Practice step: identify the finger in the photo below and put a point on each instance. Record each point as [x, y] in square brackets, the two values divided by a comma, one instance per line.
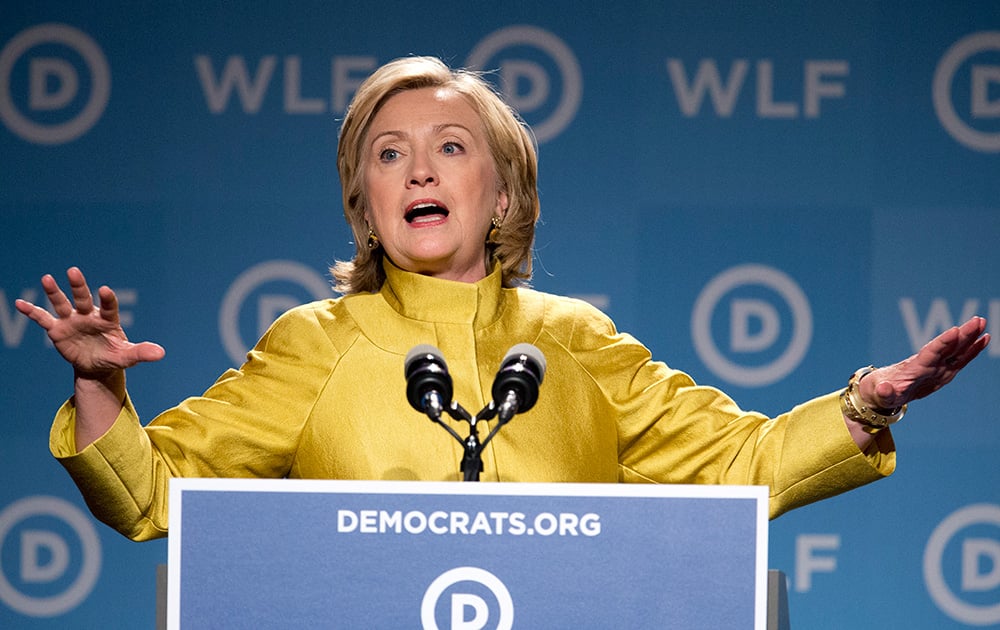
[109, 304]
[970, 331]
[133, 354]
[147, 351]
[963, 354]
[942, 345]
[885, 393]
[968, 342]
[82, 297]
[968, 353]
[56, 297]
[976, 323]
[36, 314]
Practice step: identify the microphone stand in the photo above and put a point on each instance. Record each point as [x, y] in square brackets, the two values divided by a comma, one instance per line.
[428, 386]
[472, 458]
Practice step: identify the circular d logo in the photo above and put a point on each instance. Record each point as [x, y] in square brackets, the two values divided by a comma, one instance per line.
[467, 609]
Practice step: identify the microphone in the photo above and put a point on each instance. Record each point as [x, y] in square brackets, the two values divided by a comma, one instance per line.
[428, 384]
[516, 384]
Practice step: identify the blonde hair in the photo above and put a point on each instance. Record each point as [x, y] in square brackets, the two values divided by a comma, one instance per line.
[511, 145]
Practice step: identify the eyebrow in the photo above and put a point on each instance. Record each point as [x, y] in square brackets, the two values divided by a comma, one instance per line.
[436, 130]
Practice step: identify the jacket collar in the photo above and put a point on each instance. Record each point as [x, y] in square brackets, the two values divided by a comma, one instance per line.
[429, 299]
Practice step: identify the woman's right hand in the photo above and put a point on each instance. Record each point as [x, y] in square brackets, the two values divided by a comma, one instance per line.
[88, 336]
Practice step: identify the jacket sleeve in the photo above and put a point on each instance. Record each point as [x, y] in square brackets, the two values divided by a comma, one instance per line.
[671, 430]
[246, 425]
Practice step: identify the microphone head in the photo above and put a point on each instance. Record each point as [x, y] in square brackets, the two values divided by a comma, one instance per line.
[528, 355]
[521, 371]
[425, 372]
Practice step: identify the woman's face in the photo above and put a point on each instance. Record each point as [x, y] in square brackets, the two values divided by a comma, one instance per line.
[430, 184]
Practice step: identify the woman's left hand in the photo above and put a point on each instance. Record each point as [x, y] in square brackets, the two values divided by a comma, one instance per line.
[928, 370]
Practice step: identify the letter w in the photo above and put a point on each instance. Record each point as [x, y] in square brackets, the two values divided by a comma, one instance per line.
[938, 320]
[12, 324]
[235, 73]
[707, 78]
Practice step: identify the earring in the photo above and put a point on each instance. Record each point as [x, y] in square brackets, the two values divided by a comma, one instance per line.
[373, 242]
[494, 235]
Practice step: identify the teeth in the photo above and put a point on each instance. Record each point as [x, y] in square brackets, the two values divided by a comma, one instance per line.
[420, 211]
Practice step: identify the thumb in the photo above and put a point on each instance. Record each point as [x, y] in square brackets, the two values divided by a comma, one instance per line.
[147, 351]
[885, 394]
[878, 391]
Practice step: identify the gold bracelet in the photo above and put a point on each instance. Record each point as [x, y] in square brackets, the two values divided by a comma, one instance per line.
[854, 408]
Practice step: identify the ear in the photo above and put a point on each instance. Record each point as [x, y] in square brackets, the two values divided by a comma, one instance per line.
[502, 203]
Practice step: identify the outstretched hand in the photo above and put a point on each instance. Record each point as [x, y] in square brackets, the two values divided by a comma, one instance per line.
[88, 336]
[927, 371]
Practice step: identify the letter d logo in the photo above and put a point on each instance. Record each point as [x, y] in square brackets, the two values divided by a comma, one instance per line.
[973, 597]
[464, 603]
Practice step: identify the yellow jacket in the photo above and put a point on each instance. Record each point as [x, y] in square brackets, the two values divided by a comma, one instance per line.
[323, 396]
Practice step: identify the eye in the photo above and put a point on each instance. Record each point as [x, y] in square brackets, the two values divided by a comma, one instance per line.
[451, 148]
[388, 155]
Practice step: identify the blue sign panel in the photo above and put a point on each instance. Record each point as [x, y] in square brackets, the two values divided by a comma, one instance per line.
[250, 553]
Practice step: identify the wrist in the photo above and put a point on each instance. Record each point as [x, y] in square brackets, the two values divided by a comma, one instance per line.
[857, 409]
[108, 383]
[98, 402]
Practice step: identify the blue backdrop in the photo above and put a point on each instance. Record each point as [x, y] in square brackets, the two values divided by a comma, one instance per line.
[769, 195]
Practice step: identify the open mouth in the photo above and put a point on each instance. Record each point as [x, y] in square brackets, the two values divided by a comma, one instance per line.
[425, 212]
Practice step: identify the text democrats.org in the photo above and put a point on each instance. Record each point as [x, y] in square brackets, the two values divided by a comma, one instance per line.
[467, 523]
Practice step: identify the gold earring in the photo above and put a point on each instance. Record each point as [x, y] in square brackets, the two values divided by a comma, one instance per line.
[373, 242]
[494, 235]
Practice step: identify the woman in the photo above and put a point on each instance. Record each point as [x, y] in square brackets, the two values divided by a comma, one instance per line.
[439, 188]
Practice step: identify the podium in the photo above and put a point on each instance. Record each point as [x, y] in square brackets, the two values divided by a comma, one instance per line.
[344, 554]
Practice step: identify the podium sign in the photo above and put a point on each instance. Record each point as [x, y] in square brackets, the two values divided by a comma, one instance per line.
[465, 556]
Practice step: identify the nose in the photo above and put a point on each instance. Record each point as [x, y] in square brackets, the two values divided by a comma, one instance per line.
[422, 171]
